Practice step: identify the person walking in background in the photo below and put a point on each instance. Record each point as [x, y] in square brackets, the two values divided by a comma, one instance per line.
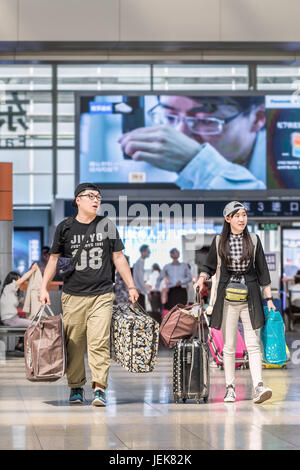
[45, 255]
[243, 262]
[139, 275]
[121, 292]
[178, 277]
[87, 297]
[9, 301]
[154, 295]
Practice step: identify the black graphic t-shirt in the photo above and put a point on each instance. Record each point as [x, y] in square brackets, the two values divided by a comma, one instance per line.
[94, 271]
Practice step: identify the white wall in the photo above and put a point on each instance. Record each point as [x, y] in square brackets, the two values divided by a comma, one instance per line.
[149, 20]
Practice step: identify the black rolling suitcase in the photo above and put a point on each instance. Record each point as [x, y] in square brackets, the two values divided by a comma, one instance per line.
[191, 367]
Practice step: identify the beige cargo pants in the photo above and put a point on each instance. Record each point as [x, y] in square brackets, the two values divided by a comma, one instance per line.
[87, 323]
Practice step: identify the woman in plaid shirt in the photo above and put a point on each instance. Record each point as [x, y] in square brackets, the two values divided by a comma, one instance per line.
[239, 260]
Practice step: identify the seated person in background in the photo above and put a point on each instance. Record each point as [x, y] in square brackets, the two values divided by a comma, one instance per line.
[9, 300]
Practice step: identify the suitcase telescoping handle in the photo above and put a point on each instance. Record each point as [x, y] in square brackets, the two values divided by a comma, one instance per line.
[198, 300]
[200, 326]
[198, 295]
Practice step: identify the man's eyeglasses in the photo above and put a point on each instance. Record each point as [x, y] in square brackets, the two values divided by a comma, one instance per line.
[91, 196]
[206, 126]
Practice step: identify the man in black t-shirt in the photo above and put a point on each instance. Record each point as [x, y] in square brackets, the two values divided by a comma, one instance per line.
[87, 297]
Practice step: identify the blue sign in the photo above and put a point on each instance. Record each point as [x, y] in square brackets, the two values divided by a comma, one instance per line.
[100, 108]
[271, 261]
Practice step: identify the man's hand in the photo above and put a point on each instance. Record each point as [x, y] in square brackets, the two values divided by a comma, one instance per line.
[49, 274]
[44, 297]
[133, 295]
[161, 146]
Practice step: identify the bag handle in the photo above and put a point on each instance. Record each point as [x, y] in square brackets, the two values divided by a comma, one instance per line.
[269, 313]
[129, 307]
[141, 308]
[40, 312]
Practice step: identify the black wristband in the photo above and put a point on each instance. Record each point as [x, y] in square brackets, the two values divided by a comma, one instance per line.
[269, 298]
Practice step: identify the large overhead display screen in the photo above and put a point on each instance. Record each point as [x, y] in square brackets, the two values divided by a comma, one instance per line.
[283, 141]
[189, 141]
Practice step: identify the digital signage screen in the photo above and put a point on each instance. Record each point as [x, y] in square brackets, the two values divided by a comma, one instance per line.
[283, 141]
[27, 247]
[290, 251]
[187, 142]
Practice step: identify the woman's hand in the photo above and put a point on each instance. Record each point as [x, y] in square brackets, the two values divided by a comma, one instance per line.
[199, 284]
[209, 310]
[271, 305]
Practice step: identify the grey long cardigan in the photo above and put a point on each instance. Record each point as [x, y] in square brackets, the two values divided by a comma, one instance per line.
[256, 275]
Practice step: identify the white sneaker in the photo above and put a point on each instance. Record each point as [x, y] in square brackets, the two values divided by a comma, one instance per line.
[230, 394]
[261, 393]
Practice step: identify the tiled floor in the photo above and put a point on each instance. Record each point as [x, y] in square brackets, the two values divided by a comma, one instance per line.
[141, 413]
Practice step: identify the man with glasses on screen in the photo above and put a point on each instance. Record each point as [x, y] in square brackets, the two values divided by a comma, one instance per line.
[210, 142]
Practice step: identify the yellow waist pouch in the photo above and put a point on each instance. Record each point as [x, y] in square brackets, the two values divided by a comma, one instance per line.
[236, 292]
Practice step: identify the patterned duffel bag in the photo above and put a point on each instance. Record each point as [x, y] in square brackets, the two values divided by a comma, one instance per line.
[134, 338]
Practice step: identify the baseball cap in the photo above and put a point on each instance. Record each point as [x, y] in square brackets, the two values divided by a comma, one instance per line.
[82, 187]
[233, 206]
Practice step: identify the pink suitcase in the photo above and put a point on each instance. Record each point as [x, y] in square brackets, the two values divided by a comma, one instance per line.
[215, 343]
[164, 313]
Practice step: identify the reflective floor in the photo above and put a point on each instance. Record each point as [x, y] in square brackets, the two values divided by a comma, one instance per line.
[141, 413]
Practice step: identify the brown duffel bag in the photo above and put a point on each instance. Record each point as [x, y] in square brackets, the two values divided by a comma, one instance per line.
[179, 323]
[44, 348]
